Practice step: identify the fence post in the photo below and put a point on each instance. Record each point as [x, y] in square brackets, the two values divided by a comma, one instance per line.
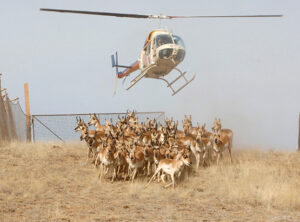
[27, 110]
[299, 134]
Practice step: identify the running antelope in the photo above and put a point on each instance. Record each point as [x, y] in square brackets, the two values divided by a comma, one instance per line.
[171, 167]
[149, 158]
[217, 127]
[106, 157]
[221, 142]
[189, 141]
[204, 132]
[135, 159]
[120, 164]
[204, 146]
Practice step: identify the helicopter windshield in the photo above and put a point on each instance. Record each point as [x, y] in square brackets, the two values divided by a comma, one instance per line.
[178, 41]
[163, 39]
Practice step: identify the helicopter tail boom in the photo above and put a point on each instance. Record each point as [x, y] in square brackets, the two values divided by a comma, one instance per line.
[129, 69]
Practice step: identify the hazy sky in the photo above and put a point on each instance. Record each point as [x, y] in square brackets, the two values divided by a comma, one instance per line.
[247, 70]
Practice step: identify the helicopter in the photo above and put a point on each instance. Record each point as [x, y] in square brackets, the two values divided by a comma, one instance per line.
[162, 52]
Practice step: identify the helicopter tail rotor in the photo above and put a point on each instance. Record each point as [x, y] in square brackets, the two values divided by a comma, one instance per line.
[124, 73]
[114, 63]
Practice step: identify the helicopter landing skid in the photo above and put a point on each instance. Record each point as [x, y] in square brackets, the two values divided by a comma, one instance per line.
[136, 79]
[175, 80]
[139, 77]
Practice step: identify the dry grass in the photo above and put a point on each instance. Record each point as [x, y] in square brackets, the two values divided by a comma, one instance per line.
[39, 182]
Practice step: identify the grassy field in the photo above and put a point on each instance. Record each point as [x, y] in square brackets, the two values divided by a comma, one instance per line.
[43, 182]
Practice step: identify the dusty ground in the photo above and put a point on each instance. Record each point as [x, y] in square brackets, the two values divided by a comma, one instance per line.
[42, 183]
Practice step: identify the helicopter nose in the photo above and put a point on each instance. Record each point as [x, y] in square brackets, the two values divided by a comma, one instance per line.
[179, 56]
[165, 53]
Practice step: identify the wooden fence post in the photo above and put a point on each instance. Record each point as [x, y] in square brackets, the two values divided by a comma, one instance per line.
[27, 110]
[299, 135]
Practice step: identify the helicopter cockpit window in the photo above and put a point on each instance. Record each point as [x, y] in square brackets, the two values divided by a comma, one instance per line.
[163, 39]
[178, 41]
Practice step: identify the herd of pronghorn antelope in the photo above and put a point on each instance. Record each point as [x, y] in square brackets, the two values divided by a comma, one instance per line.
[130, 147]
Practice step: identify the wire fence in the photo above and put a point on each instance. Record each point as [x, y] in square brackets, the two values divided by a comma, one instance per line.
[12, 121]
[60, 127]
[15, 125]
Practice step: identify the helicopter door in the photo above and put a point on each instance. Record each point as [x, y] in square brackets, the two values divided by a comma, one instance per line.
[147, 57]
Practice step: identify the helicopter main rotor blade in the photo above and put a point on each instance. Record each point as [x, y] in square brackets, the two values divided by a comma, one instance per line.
[225, 16]
[96, 13]
[154, 16]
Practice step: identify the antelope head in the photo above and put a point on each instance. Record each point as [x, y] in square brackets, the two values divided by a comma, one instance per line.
[93, 119]
[217, 138]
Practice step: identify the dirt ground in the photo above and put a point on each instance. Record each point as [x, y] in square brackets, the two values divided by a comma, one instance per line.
[42, 182]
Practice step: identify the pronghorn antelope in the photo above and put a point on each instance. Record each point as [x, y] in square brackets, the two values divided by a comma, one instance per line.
[120, 164]
[220, 143]
[171, 167]
[135, 159]
[187, 120]
[129, 147]
[188, 127]
[96, 122]
[91, 141]
[204, 146]
[204, 132]
[106, 157]
[80, 122]
[190, 142]
[157, 156]
[149, 158]
[217, 127]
